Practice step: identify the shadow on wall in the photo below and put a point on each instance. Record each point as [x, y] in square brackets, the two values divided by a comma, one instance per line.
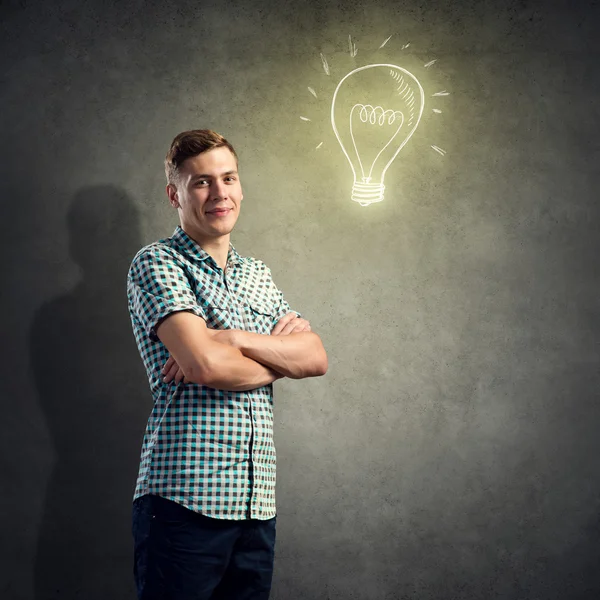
[93, 392]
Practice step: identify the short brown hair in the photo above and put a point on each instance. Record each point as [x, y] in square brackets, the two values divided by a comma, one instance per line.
[191, 143]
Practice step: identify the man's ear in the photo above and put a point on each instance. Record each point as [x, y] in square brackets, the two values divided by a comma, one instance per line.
[173, 195]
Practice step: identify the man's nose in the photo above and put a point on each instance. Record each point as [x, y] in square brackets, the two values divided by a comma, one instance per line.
[219, 189]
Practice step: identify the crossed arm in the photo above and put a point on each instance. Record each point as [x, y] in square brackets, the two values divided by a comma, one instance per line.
[238, 360]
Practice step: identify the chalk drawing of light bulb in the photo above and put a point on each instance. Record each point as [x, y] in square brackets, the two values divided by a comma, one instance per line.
[375, 110]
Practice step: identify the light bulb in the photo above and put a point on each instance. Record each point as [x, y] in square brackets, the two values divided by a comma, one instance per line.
[374, 112]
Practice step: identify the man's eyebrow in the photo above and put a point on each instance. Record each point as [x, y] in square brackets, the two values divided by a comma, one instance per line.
[207, 176]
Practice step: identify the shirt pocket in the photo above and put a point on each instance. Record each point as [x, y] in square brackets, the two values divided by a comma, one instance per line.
[217, 309]
[258, 317]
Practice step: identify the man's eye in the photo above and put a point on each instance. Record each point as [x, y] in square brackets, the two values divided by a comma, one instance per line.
[202, 182]
[230, 178]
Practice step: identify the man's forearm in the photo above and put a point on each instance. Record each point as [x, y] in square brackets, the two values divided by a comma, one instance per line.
[249, 375]
[230, 370]
[297, 355]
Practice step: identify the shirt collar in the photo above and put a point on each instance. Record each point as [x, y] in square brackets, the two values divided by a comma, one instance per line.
[192, 248]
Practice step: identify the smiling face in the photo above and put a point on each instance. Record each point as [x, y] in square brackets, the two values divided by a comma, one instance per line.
[207, 194]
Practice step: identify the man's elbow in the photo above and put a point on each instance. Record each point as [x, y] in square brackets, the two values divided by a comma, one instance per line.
[319, 362]
[317, 368]
[322, 364]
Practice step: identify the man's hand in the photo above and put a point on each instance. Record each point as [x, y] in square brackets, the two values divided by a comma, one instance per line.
[290, 323]
[171, 371]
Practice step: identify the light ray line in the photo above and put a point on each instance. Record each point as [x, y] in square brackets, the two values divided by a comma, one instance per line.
[312, 91]
[305, 118]
[431, 62]
[352, 46]
[439, 150]
[386, 41]
[436, 110]
[319, 146]
[444, 93]
[406, 46]
[325, 63]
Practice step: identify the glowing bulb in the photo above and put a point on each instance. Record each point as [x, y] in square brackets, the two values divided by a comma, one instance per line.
[374, 112]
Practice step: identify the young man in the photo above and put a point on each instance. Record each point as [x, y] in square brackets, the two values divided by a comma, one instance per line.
[214, 334]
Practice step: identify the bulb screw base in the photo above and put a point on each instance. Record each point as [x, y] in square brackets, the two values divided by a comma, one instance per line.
[367, 193]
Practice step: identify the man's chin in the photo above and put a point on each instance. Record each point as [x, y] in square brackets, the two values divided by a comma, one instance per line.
[222, 230]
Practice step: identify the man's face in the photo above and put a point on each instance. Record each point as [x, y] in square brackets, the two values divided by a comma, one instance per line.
[208, 194]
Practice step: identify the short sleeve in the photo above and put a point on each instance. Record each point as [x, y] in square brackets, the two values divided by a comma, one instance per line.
[158, 285]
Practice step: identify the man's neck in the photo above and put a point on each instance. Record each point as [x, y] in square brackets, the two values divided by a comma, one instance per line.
[218, 247]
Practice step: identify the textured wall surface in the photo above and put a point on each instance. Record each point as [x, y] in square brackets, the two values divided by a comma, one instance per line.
[452, 449]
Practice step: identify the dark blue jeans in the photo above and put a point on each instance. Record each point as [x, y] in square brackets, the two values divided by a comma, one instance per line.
[183, 555]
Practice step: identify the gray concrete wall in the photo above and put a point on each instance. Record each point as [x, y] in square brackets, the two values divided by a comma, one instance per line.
[451, 450]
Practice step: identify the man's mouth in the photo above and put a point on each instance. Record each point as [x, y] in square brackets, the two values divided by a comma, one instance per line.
[219, 211]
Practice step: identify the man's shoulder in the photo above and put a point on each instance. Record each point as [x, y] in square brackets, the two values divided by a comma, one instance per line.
[250, 262]
[163, 249]
[254, 265]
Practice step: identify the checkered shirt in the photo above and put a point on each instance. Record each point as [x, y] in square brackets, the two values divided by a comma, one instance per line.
[209, 450]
